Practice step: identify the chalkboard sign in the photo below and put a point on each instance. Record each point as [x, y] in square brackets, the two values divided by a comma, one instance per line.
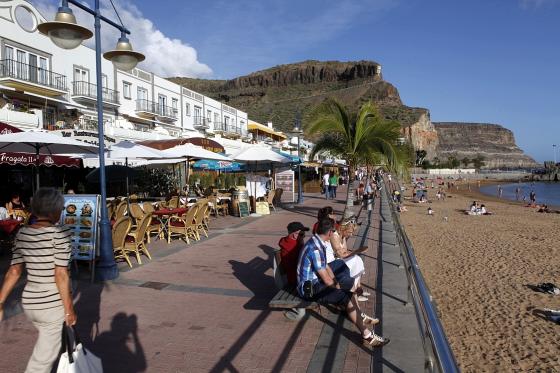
[243, 209]
[262, 208]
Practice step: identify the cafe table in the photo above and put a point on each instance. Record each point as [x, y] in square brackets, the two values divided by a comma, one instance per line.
[163, 215]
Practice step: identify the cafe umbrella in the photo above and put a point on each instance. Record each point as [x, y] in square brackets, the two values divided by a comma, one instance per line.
[257, 154]
[43, 143]
[190, 152]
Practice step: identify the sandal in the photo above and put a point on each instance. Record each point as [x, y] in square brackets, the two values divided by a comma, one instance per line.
[374, 340]
[368, 320]
[362, 298]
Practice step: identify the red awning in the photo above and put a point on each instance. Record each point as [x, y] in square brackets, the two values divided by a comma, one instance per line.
[27, 159]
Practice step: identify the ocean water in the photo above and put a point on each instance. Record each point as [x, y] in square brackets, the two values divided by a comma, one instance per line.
[546, 192]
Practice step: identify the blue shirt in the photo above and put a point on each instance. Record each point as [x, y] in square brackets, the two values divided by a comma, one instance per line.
[311, 259]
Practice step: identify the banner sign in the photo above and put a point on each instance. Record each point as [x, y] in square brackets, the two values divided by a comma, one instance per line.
[285, 181]
[28, 159]
[91, 137]
[81, 214]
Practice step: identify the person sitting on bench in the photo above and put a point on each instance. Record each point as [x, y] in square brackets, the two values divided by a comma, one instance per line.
[290, 246]
[316, 282]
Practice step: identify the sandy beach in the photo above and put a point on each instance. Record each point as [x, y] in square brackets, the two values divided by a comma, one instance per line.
[477, 268]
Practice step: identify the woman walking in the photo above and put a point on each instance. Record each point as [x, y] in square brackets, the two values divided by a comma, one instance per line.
[44, 249]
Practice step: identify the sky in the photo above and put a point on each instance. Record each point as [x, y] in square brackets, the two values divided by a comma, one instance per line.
[488, 61]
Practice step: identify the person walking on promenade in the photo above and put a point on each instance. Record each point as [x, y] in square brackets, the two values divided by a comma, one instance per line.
[500, 191]
[517, 193]
[326, 184]
[333, 183]
[44, 249]
[316, 282]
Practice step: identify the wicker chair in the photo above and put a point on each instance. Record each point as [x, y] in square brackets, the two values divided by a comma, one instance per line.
[135, 240]
[184, 225]
[147, 207]
[136, 212]
[120, 230]
[200, 224]
[213, 206]
[121, 209]
[173, 202]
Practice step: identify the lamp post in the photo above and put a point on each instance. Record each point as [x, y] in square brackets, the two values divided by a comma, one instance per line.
[554, 151]
[67, 34]
[298, 131]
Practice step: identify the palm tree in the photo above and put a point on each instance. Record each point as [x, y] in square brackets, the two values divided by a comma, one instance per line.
[357, 138]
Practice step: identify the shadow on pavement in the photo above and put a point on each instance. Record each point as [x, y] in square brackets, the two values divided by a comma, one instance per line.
[113, 346]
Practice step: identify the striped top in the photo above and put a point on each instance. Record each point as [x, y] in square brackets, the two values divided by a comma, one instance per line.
[41, 249]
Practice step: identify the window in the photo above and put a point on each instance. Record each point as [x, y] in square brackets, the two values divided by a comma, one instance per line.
[142, 94]
[104, 82]
[226, 120]
[197, 113]
[188, 109]
[126, 88]
[81, 75]
[174, 104]
[216, 117]
[209, 115]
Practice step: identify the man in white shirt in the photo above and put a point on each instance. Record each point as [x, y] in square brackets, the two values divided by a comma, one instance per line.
[326, 178]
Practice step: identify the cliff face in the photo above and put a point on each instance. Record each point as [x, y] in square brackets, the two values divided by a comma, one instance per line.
[494, 142]
[278, 93]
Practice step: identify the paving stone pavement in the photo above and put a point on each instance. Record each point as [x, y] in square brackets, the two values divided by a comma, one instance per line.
[203, 307]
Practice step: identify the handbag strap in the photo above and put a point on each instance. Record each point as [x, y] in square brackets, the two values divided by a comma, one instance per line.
[67, 344]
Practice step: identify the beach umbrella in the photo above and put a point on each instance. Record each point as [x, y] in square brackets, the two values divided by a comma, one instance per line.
[190, 151]
[258, 154]
[43, 143]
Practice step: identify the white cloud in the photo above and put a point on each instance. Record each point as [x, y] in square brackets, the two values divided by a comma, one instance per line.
[526, 4]
[164, 56]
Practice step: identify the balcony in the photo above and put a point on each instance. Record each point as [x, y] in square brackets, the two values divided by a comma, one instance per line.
[84, 91]
[84, 124]
[24, 77]
[151, 109]
[201, 123]
[227, 130]
[166, 113]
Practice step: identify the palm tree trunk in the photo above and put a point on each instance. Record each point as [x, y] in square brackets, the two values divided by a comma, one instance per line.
[349, 208]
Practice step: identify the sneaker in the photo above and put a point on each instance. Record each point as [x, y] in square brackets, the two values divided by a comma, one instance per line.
[366, 294]
[362, 298]
[374, 340]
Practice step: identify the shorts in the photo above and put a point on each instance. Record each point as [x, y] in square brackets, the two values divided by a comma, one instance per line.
[342, 274]
[328, 295]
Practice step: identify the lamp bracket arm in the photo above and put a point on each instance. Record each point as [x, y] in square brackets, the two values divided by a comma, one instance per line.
[92, 12]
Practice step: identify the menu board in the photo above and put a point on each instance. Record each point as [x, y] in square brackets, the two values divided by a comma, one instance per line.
[262, 208]
[243, 209]
[285, 180]
[80, 213]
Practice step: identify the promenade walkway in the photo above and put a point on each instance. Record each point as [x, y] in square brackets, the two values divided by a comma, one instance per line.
[203, 308]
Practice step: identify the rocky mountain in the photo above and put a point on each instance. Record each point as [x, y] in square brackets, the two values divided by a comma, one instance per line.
[278, 93]
[494, 142]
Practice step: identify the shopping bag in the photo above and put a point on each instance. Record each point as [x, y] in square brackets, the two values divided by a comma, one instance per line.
[75, 358]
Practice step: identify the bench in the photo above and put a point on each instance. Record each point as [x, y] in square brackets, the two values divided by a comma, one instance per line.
[288, 298]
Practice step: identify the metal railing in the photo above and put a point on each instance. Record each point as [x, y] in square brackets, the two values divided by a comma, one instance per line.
[156, 109]
[201, 122]
[437, 351]
[32, 74]
[78, 124]
[81, 88]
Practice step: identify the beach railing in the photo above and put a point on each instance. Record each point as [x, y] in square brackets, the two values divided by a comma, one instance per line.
[437, 351]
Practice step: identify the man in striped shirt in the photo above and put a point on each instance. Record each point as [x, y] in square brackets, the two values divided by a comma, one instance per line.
[317, 282]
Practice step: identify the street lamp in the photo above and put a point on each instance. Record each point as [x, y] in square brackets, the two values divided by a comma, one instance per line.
[554, 151]
[67, 34]
[298, 131]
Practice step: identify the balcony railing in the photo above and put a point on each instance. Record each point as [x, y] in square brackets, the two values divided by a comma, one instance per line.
[201, 123]
[49, 123]
[32, 74]
[89, 90]
[155, 108]
[227, 129]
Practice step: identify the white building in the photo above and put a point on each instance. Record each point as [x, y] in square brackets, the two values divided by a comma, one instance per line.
[45, 87]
